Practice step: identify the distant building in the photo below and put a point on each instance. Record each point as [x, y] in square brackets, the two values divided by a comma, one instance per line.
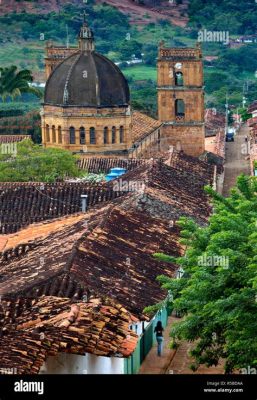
[87, 104]
[181, 97]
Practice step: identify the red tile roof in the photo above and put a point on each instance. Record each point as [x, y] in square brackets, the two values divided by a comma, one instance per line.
[143, 125]
[33, 329]
[13, 138]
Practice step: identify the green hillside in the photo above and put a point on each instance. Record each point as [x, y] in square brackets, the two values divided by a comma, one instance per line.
[23, 38]
[237, 17]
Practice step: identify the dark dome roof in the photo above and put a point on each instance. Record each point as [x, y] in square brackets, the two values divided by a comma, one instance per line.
[87, 79]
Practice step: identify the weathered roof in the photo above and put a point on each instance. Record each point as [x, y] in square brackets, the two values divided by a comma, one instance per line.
[96, 255]
[24, 203]
[13, 138]
[143, 125]
[87, 79]
[214, 121]
[97, 165]
[32, 329]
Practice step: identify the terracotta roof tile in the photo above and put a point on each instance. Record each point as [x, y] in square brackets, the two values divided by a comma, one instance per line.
[13, 138]
[44, 327]
[142, 125]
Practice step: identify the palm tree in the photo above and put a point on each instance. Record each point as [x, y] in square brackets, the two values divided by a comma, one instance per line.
[13, 83]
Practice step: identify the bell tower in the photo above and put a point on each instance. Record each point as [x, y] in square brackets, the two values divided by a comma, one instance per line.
[181, 98]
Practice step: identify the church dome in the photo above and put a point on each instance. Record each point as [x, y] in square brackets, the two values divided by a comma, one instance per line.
[87, 79]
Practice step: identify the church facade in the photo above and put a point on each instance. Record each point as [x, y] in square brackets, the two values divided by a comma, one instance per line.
[87, 104]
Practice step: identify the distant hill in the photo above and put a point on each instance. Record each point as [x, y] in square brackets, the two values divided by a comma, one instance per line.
[237, 17]
[33, 6]
[140, 12]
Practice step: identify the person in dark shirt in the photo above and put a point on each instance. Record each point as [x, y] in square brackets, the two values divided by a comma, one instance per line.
[159, 337]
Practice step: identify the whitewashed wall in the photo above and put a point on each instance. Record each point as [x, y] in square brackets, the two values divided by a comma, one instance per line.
[89, 364]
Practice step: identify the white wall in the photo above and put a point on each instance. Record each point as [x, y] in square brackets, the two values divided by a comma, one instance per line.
[89, 364]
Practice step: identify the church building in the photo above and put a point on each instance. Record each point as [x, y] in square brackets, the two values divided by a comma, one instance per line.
[87, 109]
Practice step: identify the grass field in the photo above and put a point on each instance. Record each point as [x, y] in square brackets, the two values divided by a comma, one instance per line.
[141, 72]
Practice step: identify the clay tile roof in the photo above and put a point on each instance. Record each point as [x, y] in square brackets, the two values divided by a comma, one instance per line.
[47, 270]
[98, 252]
[142, 125]
[13, 138]
[37, 328]
[37, 231]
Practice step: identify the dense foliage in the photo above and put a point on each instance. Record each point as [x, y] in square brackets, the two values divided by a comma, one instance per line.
[217, 294]
[230, 15]
[28, 162]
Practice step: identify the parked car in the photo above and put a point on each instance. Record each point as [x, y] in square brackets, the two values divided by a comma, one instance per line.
[230, 135]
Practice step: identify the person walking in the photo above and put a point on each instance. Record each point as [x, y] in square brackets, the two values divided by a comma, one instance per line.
[159, 337]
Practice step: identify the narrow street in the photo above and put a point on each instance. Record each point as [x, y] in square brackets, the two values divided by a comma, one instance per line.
[178, 362]
[236, 160]
[171, 361]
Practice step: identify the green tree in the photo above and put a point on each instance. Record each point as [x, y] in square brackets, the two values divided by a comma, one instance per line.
[217, 294]
[13, 83]
[29, 162]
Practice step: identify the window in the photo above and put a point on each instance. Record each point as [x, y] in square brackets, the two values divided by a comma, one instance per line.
[121, 134]
[92, 136]
[113, 134]
[47, 133]
[82, 135]
[179, 81]
[72, 135]
[59, 134]
[179, 108]
[53, 134]
[106, 131]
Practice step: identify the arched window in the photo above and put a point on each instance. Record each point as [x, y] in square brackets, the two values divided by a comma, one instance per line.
[82, 135]
[53, 134]
[179, 108]
[121, 134]
[179, 81]
[72, 135]
[92, 136]
[47, 133]
[59, 134]
[106, 132]
[113, 134]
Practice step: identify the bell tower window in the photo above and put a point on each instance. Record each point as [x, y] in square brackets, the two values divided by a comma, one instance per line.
[179, 81]
[179, 108]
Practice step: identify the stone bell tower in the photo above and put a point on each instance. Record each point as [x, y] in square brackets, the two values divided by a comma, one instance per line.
[181, 98]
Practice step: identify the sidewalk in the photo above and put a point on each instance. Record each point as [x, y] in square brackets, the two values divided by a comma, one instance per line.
[158, 365]
[174, 361]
